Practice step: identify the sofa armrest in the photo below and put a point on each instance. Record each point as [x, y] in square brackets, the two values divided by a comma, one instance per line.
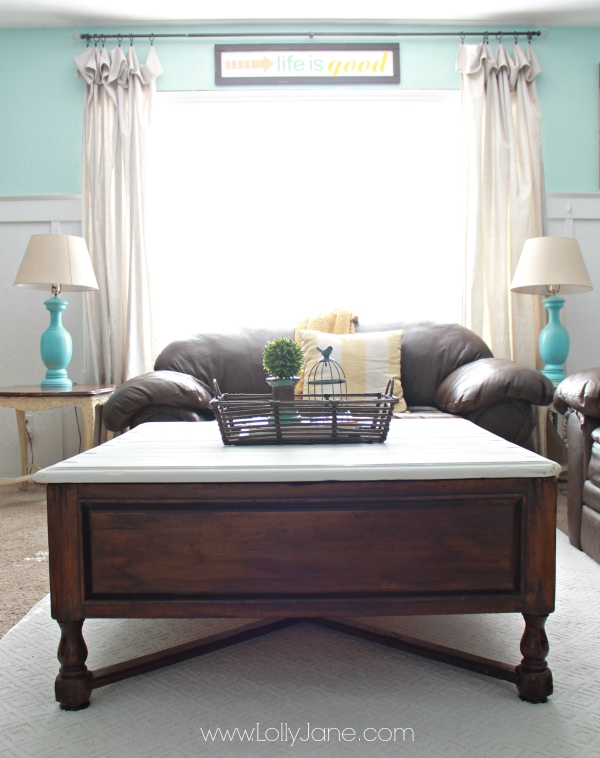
[491, 380]
[581, 392]
[156, 388]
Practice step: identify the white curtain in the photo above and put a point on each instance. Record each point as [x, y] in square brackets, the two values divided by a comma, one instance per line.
[505, 193]
[119, 93]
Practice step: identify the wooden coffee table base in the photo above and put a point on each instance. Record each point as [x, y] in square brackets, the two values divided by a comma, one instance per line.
[74, 683]
[286, 552]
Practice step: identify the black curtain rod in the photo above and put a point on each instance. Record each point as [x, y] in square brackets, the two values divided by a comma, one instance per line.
[179, 35]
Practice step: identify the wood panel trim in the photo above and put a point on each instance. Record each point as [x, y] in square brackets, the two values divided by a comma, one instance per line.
[36, 208]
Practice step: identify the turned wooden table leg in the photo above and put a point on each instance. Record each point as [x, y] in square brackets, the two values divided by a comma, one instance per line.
[534, 677]
[73, 683]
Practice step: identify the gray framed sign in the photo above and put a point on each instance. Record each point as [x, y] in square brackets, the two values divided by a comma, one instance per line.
[318, 63]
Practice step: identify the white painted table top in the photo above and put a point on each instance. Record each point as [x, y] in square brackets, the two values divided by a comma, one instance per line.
[444, 448]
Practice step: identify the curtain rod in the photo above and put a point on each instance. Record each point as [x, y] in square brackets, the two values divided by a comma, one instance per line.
[179, 35]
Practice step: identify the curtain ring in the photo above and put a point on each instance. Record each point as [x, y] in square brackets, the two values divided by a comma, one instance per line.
[131, 40]
[516, 36]
[462, 38]
[152, 39]
[103, 39]
[96, 40]
[499, 37]
[119, 39]
[486, 38]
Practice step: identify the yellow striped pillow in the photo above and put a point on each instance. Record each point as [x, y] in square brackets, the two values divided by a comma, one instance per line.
[369, 360]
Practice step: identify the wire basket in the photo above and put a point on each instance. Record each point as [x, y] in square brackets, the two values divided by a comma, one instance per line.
[260, 420]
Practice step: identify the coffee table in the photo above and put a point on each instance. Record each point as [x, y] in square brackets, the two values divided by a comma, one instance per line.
[166, 521]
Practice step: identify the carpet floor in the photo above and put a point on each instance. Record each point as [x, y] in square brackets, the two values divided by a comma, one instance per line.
[24, 552]
[316, 690]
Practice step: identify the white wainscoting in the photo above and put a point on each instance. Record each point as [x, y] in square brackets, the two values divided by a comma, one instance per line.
[55, 433]
[578, 216]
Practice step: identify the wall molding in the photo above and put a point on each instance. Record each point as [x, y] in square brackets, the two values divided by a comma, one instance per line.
[23, 208]
[571, 207]
[17, 208]
[31, 208]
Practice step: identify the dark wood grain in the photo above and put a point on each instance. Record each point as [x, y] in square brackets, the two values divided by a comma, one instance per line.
[299, 550]
[36, 390]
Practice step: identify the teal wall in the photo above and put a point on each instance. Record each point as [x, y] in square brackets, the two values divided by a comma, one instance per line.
[41, 101]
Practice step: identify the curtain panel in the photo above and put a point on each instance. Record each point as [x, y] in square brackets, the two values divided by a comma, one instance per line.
[505, 193]
[119, 94]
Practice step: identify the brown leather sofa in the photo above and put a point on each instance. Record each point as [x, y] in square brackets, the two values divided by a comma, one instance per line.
[445, 368]
[578, 398]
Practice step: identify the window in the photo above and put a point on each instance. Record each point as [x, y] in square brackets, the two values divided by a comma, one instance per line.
[269, 206]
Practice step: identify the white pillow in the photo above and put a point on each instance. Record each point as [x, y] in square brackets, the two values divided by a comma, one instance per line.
[369, 360]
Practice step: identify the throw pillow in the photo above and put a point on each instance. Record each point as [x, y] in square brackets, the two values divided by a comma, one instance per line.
[369, 360]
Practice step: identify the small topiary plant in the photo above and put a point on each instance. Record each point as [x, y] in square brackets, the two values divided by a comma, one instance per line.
[283, 358]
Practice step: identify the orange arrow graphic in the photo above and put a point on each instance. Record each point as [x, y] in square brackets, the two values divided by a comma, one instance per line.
[265, 64]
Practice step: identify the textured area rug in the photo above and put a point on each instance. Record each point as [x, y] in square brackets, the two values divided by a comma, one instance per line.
[310, 691]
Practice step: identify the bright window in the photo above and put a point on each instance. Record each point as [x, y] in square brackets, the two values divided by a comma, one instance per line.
[269, 206]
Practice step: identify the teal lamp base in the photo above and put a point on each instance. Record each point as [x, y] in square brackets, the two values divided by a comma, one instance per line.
[56, 347]
[554, 341]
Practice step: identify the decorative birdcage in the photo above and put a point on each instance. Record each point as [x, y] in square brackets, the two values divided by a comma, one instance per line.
[326, 379]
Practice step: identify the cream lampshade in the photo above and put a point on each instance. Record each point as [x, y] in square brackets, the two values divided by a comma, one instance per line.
[58, 262]
[547, 266]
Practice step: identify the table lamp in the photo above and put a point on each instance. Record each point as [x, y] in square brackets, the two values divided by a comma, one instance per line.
[59, 262]
[547, 266]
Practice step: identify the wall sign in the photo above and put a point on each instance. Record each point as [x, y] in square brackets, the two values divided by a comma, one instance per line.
[307, 64]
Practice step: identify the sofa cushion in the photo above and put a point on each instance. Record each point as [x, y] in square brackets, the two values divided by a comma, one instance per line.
[233, 358]
[369, 360]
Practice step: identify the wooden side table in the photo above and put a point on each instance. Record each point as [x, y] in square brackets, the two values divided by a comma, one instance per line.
[88, 397]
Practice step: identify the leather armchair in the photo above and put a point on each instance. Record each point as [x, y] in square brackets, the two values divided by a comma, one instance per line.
[445, 368]
[578, 398]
